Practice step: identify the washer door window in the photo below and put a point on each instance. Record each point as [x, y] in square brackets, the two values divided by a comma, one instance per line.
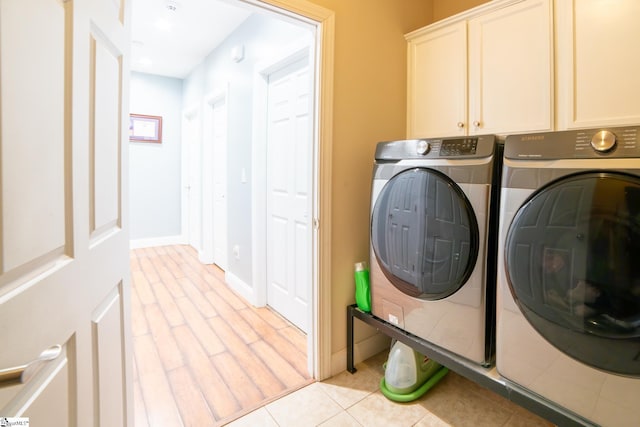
[424, 234]
[573, 265]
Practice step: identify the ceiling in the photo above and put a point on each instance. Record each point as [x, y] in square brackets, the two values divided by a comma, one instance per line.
[171, 37]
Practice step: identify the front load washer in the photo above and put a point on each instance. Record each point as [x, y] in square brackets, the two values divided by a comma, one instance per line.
[568, 303]
[432, 245]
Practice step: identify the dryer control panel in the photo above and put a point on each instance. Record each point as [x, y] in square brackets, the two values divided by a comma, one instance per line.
[440, 148]
[618, 142]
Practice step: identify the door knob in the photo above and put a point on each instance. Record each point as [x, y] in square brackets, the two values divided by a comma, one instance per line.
[22, 374]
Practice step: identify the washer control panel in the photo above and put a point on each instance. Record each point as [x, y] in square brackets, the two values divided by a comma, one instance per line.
[459, 147]
[618, 142]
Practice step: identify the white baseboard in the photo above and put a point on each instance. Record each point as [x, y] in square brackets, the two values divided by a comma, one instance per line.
[362, 350]
[157, 241]
[205, 258]
[240, 287]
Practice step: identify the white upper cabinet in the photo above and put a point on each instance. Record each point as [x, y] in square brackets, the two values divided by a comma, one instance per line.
[437, 82]
[511, 69]
[598, 63]
[489, 70]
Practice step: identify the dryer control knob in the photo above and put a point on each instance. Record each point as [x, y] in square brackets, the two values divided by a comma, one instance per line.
[423, 147]
[603, 141]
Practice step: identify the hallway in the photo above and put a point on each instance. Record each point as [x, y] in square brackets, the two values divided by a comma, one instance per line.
[202, 355]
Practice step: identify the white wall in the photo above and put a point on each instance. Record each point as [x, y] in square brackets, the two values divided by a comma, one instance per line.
[154, 169]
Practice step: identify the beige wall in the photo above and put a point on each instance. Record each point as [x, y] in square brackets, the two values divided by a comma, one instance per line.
[369, 106]
[445, 8]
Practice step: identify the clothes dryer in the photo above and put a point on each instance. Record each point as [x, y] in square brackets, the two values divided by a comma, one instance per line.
[432, 244]
[568, 303]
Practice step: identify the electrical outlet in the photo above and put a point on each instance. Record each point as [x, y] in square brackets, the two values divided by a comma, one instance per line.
[236, 252]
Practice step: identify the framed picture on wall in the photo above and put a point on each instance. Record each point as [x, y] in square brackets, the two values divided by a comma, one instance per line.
[144, 128]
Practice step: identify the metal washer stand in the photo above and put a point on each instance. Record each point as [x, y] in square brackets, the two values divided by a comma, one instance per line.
[486, 377]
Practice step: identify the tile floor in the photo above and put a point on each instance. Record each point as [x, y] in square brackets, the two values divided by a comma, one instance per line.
[355, 400]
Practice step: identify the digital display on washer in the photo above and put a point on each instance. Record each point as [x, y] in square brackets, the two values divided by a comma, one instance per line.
[459, 147]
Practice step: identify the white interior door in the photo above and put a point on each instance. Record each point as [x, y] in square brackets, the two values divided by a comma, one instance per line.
[289, 187]
[64, 259]
[219, 123]
[193, 178]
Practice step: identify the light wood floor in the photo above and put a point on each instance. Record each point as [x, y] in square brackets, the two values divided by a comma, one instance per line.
[202, 355]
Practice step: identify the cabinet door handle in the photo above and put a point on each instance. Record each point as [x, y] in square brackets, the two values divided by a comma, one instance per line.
[22, 374]
[476, 123]
[460, 125]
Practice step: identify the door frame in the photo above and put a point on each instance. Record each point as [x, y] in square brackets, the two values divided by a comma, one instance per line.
[260, 170]
[262, 72]
[191, 114]
[260, 166]
[319, 347]
[206, 254]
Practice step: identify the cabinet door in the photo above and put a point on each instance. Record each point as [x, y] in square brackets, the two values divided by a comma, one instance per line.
[437, 83]
[598, 63]
[511, 69]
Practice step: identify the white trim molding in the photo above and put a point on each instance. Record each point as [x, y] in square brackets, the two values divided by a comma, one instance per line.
[242, 288]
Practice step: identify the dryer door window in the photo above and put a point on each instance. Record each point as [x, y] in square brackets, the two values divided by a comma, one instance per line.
[424, 234]
[573, 266]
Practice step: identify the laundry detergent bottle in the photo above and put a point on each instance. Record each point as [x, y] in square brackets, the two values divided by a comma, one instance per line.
[363, 291]
[409, 374]
[403, 367]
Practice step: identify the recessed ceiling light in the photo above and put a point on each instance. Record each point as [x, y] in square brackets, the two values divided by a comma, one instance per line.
[172, 5]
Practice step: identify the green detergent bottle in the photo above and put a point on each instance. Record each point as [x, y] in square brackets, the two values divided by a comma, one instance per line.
[363, 293]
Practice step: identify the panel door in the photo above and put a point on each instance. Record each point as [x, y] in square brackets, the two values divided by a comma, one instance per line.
[289, 133]
[437, 83]
[511, 69]
[219, 123]
[64, 259]
[193, 177]
[598, 72]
